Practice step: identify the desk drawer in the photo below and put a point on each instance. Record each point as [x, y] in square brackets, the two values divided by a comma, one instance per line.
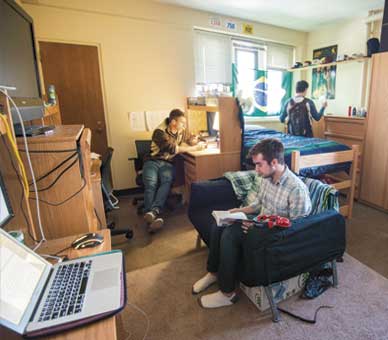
[190, 170]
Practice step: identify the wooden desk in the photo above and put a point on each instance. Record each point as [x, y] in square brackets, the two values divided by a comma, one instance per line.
[213, 162]
[207, 164]
[104, 329]
[95, 176]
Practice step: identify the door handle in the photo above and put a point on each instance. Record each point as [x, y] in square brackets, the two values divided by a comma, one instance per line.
[100, 126]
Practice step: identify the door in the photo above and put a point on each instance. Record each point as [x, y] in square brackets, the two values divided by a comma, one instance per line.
[75, 72]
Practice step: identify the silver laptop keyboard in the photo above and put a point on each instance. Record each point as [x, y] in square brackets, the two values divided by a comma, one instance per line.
[67, 292]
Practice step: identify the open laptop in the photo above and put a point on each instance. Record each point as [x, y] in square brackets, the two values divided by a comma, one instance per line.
[38, 298]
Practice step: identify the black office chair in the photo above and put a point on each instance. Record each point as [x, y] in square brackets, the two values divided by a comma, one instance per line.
[143, 148]
[111, 201]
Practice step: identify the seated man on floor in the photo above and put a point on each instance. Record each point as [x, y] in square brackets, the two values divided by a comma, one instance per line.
[168, 139]
[282, 193]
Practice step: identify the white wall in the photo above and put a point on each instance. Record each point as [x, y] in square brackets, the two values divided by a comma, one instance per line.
[147, 57]
[351, 37]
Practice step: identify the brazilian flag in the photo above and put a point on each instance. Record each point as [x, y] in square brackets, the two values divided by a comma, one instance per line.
[254, 94]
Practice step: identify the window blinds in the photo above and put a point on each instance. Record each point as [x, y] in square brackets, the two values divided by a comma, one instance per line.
[213, 56]
[279, 56]
[213, 62]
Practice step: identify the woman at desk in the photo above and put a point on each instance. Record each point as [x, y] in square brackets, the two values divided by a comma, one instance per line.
[168, 139]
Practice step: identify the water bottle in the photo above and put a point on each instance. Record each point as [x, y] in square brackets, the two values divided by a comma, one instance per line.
[51, 96]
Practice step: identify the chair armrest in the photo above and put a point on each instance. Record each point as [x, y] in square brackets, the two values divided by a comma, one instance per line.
[205, 197]
[212, 193]
[310, 242]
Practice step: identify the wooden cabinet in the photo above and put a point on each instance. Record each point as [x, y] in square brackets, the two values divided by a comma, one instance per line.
[349, 131]
[374, 181]
[62, 166]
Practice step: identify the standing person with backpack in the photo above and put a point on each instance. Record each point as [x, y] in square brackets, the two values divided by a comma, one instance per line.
[298, 112]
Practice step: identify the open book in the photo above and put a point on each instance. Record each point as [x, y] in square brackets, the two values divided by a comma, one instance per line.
[224, 217]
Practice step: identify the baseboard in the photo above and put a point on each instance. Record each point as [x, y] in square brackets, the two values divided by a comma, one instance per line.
[128, 192]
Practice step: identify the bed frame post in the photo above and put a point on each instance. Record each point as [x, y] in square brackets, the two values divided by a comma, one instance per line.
[295, 161]
[353, 177]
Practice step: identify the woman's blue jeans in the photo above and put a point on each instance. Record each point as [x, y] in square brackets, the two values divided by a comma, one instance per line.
[158, 176]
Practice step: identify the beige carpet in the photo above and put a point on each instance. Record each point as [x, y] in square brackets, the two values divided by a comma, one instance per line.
[163, 291]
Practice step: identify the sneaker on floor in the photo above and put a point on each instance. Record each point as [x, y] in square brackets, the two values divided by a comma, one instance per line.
[156, 225]
[150, 217]
[204, 283]
[217, 299]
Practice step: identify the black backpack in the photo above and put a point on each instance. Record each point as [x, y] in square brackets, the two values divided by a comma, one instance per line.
[299, 121]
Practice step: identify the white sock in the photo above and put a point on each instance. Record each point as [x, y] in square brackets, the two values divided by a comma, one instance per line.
[204, 283]
[217, 299]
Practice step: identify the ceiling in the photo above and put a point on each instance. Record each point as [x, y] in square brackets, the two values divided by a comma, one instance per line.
[303, 15]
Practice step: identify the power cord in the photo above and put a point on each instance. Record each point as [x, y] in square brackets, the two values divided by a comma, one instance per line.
[57, 204]
[58, 177]
[23, 191]
[58, 258]
[146, 317]
[55, 168]
[30, 166]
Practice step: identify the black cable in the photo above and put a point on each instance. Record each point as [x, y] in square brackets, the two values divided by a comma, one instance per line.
[55, 168]
[60, 251]
[21, 183]
[48, 151]
[64, 201]
[58, 177]
[302, 318]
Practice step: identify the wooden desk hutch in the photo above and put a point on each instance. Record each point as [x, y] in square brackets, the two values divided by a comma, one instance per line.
[213, 162]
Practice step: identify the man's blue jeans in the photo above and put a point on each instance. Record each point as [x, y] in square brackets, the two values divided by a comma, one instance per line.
[158, 176]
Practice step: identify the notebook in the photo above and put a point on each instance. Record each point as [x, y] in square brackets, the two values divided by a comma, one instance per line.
[38, 298]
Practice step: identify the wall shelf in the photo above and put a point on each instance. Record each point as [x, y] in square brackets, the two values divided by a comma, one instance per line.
[359, 60]
[203, 108]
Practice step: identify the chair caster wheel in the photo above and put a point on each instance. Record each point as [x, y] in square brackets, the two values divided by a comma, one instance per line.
[129, 234]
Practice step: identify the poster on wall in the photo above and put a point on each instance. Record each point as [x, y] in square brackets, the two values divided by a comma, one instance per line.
[247, 29]
[324, 78]
[230, 25]
[215, 22]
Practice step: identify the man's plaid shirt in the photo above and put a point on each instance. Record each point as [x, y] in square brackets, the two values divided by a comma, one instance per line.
[288, 197]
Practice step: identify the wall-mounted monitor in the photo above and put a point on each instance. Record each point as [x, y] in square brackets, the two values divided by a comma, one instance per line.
[18, 60]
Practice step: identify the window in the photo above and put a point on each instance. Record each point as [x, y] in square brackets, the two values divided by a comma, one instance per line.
[258, 72]
[276, 92]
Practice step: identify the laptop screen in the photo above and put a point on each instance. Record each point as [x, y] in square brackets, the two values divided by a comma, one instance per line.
[21, 272]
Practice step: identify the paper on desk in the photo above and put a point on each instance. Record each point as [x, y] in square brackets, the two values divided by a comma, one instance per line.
[137, 121]
[155, 118]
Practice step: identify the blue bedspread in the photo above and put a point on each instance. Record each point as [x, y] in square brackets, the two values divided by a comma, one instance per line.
[306, 146]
